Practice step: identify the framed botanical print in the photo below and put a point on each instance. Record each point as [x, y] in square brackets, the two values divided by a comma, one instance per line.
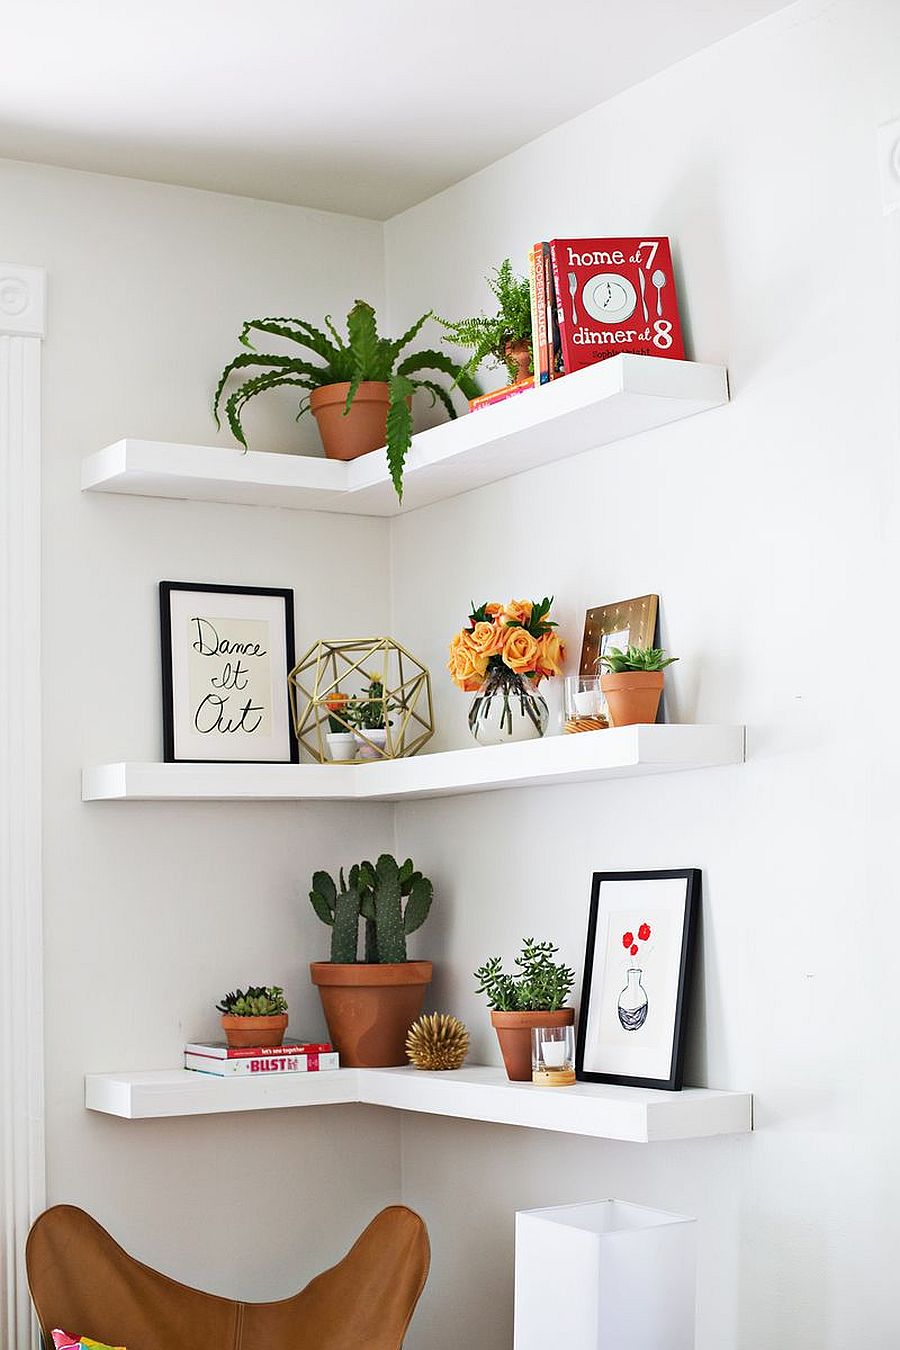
[637, 972]
[625, 623]
[226, 654]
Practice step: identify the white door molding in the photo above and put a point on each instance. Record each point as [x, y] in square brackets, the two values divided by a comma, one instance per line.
[22, 1173]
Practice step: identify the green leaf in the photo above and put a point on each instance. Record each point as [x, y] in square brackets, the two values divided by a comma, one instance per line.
[365, 346]
[437, 391]
[399, 429]
[308, 336]
[418, 905]
[235, 405]
[406, 339]
[261, 359]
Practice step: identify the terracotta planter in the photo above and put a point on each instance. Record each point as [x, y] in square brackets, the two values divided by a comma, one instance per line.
[632, 696]
[365, 426]
[254, 1030]
[370, 1008]
[514, 1034]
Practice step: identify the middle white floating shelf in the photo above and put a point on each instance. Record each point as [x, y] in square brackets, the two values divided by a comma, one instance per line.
[619, 752]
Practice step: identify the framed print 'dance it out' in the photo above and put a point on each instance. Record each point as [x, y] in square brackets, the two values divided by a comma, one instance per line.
[636, 976]
[226, 654]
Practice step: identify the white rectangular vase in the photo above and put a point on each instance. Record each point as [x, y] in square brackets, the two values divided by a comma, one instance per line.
[605, 1276]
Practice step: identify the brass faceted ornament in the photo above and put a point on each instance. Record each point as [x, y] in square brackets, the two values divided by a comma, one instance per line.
[370, 687]
[437, 1041]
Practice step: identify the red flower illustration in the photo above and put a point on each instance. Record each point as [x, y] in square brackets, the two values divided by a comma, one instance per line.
[627, 939]
[644, 932]
[634, 950]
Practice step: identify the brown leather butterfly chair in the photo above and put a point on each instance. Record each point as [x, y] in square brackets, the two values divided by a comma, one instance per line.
[81, 1280]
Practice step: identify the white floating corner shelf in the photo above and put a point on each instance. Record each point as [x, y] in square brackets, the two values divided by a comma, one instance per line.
[600, 1111]
[611, 401]
[619, 752]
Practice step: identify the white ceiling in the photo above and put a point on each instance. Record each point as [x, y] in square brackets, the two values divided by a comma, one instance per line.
[349, 106]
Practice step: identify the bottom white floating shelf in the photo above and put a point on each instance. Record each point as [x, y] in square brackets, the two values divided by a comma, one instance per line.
[636, 1115]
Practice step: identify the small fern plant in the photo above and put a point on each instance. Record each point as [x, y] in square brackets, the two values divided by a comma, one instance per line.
[495, 336]
[363, 356]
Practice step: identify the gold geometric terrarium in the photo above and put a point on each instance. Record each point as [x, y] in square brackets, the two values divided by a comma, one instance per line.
[360, 699]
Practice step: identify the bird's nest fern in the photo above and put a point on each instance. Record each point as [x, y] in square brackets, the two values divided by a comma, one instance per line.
[363, 356]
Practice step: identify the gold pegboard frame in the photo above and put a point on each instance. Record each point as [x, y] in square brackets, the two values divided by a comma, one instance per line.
[331, 667]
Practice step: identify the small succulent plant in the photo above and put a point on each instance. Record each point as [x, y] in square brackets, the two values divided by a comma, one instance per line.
[635, 658]
[256, 1001]
[541, 985]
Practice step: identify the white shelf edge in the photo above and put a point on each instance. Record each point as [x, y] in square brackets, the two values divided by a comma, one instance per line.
[633, 1115]
[619, 752]
[609, 402]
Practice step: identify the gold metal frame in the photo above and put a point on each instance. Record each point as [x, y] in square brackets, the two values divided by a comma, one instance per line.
[637, 617]
[329, 665]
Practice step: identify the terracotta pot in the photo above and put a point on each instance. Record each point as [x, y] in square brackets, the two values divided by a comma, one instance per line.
[254, 1030]
[632, 696]
[370, 1008]
[365, 426]
[514, 1034]
[520, 353]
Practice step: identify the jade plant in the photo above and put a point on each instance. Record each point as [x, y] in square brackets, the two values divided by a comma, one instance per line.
[368, 712]
[391, 899]
[635, 658]
[363, 356]
[254, 1001]
[540, 985]
[500, 334]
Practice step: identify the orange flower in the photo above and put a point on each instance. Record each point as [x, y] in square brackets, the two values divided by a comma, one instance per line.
[517, 611]
[520, 651]
[466, 665]
[335, 702]
[551, 654]
[485, 638]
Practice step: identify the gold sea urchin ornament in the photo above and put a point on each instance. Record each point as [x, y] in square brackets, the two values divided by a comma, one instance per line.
[437, 1041]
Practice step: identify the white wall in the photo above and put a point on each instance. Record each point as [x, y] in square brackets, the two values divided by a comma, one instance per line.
[153, 911]
[770, 531]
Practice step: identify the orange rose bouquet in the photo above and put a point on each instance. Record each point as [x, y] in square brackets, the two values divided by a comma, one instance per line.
[501, 656]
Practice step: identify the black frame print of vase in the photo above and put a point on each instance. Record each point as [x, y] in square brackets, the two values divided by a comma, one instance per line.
[597, 1058]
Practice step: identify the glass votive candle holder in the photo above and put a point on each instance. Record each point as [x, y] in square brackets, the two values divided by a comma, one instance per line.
[584, 703]
[553, 1056]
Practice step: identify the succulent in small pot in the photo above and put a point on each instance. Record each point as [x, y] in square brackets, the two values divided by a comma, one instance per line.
[255, 1016]
[370, 1005]
[339, 737]
[633, 683]
[534, 997]
[369, 716]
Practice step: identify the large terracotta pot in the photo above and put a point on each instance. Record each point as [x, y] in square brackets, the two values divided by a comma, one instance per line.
[370, 1008]
[365, 426]
[632, 696]
[253, 1031]
[514, 1034]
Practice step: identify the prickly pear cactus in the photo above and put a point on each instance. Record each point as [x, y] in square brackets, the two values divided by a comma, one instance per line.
[388, 913]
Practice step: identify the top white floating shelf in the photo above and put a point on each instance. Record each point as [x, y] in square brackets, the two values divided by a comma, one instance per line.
[611, 401]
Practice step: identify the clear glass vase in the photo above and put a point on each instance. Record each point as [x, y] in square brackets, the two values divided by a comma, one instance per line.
[507, 708]
[633, 1002]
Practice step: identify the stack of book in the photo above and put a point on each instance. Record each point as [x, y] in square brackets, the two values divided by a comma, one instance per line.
[226, 1061]
[594, 298]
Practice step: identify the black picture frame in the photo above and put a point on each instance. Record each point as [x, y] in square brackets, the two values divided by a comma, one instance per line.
[595, 999]
[283, 731]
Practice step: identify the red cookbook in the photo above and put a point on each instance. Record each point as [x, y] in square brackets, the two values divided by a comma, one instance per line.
[615, 295]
